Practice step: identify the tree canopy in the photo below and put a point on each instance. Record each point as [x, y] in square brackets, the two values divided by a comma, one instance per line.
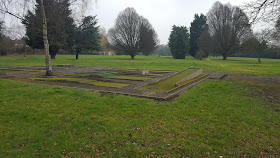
[87, 36]
[263, 10]
[276, 33]
[132, 34]
[17, 8]
[59, 23]
[196, 29]
[148, 38]
[179, 42]
[205, 43]
[229, 27]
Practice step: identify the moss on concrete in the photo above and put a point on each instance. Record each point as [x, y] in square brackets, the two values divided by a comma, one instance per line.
[167, 84]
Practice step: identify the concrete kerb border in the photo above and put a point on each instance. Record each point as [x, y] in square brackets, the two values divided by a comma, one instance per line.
[186, 84]
[160, 79]
[191, 76]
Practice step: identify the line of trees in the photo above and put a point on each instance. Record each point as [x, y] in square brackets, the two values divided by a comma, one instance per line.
[62, 32]
[226, 30]
[163, 50]
[225, 33]
[42, 12]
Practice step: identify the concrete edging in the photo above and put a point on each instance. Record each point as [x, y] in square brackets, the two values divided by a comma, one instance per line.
[202, 76]
[193, 75]
[160, 79]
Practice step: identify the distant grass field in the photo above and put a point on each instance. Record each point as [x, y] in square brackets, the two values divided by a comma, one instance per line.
[215, 118]
[233, 65]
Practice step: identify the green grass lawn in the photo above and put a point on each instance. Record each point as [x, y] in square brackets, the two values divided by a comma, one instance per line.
[249, 66]
[215, 118]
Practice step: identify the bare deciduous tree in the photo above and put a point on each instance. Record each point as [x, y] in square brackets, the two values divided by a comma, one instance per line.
[276, 32]
[265, 10]
[126, 34]
[229, 27]
[258, 42]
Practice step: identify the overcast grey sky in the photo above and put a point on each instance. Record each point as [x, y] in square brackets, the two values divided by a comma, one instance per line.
[162, 14]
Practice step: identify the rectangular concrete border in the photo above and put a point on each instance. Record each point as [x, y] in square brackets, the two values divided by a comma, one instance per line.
[165, 97]
[160, 79]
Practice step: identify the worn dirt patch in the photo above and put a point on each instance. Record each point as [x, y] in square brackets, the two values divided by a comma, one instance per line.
[270, 86]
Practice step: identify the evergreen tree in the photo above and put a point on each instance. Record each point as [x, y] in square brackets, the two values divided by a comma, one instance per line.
[148, 38]
[196, 29]
[179, 42]
[59, 23]
[87, 36]
[205, 42]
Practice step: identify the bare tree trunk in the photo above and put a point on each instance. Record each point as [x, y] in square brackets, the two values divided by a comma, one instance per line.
[52, 56]
[78, 51]
[24, 53]
[46, 42]
[77, 56]
[224, 58]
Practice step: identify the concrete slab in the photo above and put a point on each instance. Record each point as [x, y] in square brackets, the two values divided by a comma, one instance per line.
[217, 76]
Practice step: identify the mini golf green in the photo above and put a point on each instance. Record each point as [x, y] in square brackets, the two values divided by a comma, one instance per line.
[169, 83]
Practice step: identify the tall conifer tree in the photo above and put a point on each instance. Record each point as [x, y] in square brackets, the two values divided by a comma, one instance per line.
[195, 31]
[59, 23]
[179, 42]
